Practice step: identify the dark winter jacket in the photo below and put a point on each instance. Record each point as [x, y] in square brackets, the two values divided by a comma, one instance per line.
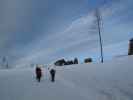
[52, 71]
[38, 72]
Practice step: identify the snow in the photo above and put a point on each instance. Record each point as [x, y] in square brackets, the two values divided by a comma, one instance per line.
[108, 81]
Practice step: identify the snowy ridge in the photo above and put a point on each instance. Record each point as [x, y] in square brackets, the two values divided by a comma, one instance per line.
[109, 81]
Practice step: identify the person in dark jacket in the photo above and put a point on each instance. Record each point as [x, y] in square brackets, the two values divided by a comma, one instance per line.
[52, 73]
[38, 73]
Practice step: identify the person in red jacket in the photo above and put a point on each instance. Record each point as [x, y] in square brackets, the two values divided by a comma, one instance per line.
[38, 73]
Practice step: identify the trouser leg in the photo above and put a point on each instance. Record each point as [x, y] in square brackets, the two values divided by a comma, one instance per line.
[53, 77]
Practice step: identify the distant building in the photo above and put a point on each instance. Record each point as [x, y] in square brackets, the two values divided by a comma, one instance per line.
[130, 49]
[69, 62]
[60, 62]
[88, 60]
[75, 61]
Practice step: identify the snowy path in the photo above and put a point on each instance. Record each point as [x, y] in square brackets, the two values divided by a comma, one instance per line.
[109, 81]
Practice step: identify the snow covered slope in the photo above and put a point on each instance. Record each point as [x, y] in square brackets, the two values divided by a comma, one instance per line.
[109, 81]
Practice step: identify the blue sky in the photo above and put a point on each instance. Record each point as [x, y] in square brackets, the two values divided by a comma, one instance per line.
[41, 31]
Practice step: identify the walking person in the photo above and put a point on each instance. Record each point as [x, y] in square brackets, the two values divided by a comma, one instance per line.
[38, 73]
[52, 73]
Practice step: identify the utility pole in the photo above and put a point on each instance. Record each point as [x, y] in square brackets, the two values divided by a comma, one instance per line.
[5, 62]
[98, 22]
